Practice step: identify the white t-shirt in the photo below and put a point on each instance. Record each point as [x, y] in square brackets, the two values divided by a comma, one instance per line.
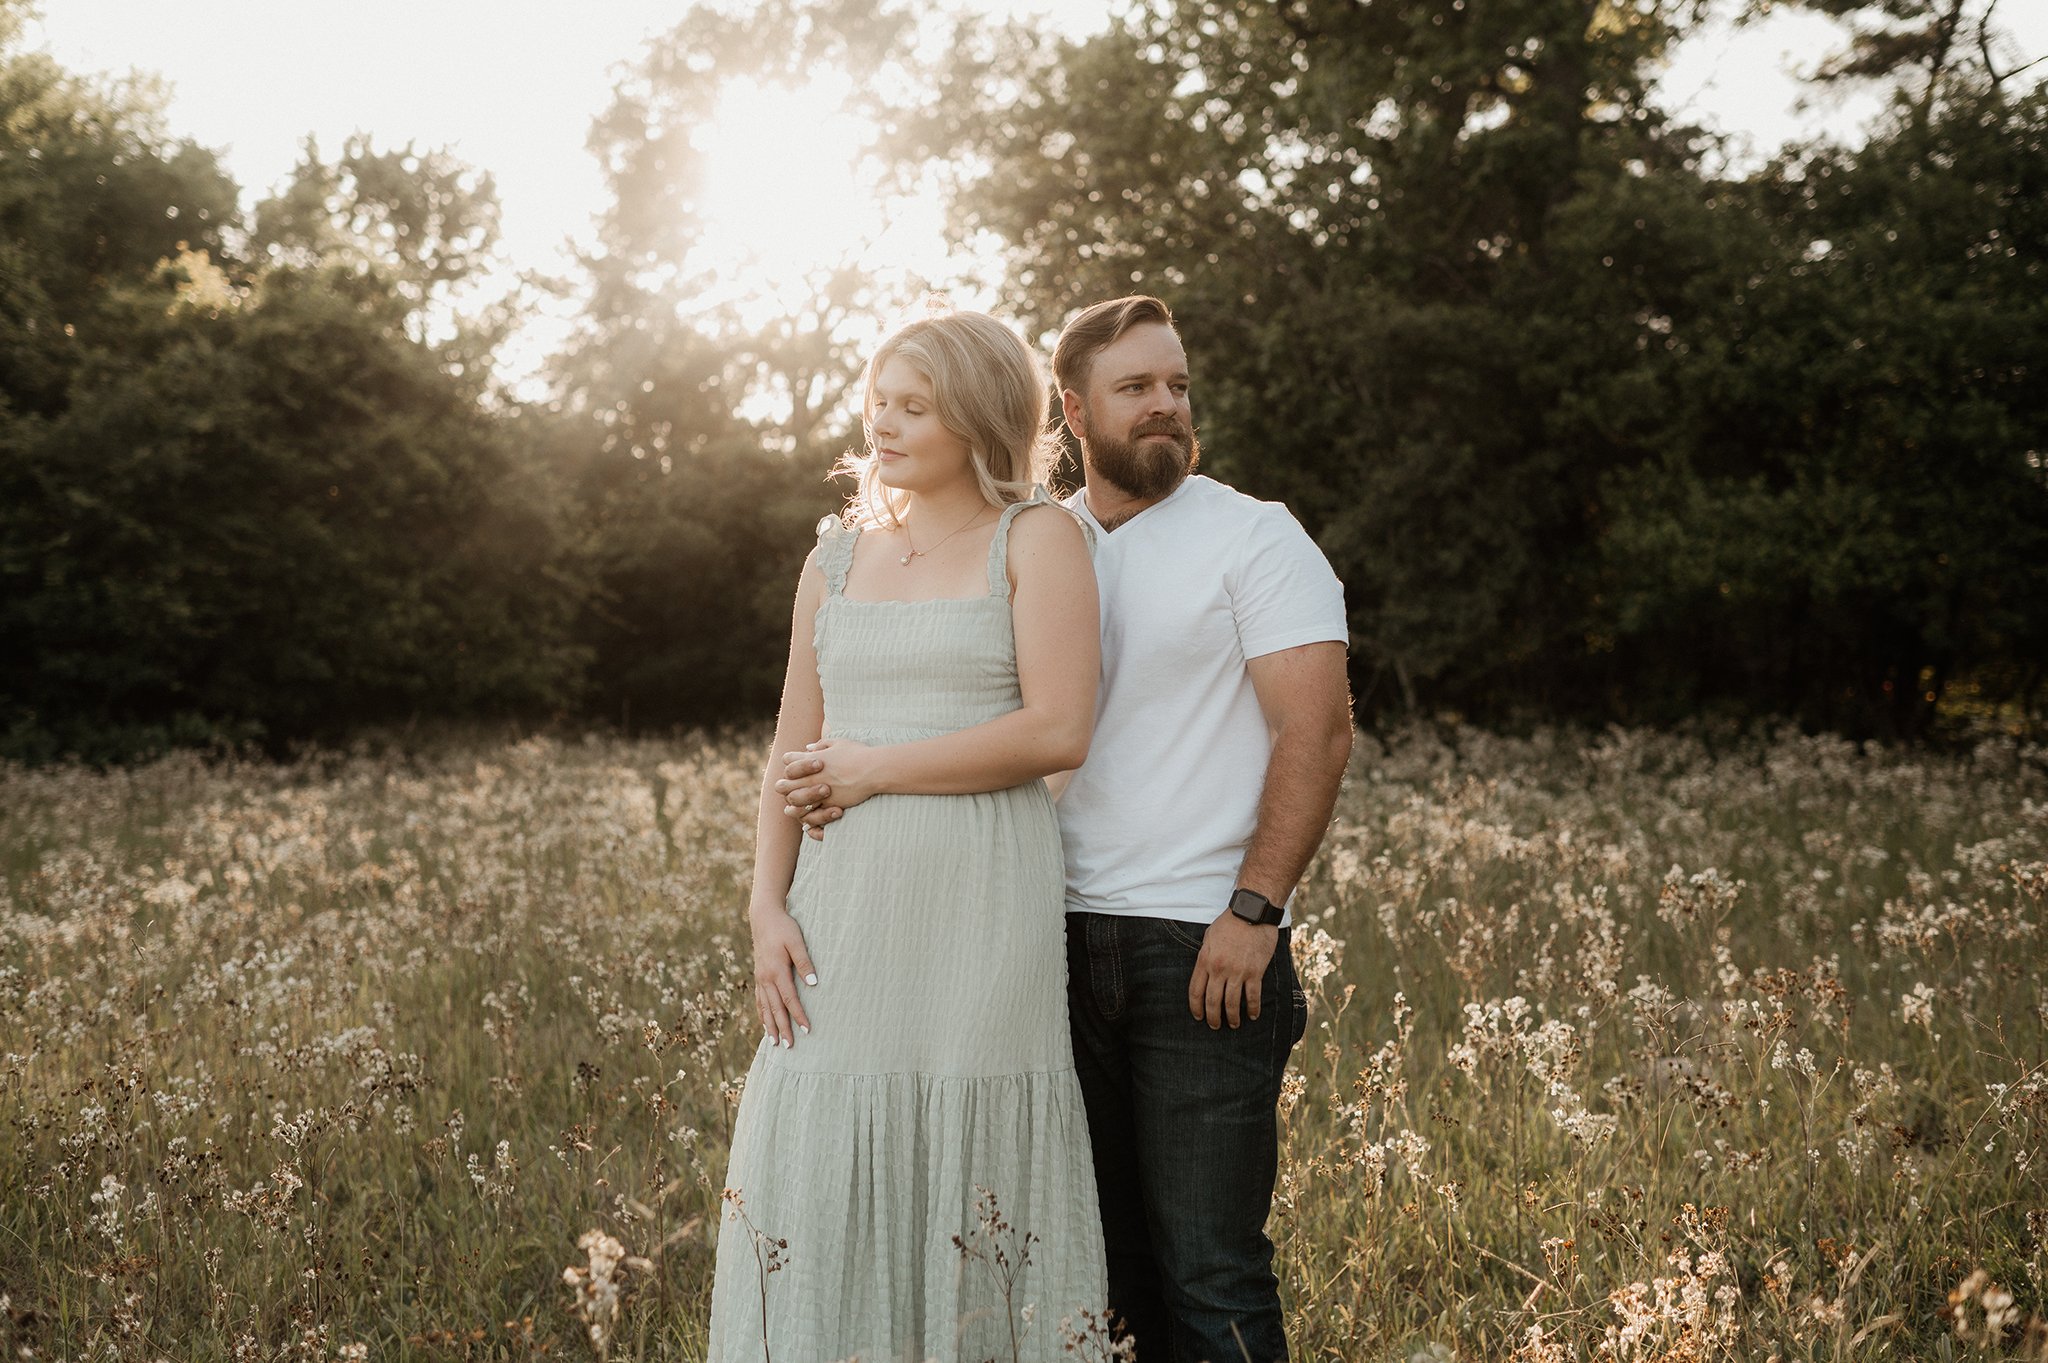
[1156, 821]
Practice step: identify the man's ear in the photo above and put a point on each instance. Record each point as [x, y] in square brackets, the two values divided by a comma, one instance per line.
[1075, 412]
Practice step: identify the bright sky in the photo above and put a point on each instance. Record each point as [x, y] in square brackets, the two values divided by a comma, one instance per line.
[512, 85]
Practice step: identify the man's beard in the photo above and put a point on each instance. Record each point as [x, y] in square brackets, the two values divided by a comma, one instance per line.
[1146, 470]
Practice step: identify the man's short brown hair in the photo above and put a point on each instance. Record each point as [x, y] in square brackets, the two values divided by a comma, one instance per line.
[1094, 329]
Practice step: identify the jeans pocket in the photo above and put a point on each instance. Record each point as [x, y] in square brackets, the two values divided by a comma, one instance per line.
[1188, 935]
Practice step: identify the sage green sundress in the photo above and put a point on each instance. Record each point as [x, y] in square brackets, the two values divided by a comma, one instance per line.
[938, 1063]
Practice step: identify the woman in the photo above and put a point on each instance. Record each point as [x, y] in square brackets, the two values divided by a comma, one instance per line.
[910, 967]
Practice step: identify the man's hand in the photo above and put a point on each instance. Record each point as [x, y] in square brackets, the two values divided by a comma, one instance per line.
[1228, 973]
[806, 795]
[800, 787]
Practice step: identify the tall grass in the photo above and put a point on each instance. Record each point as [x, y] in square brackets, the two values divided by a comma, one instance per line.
[1621, 1046]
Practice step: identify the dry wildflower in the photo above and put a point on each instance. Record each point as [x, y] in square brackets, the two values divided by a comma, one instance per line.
[1003, 1252]
[1090, 1338]
[1410, 1148]
[1916, 1007]
[1370, 1161]
[1999, 1311]
[597, 1286]
[1293, 1085]
[217, 982]
[1705, 895]
[1586, 1128]
[1539, 1346]
[110, 1200]
[1677, 1317]
[496, 1183]
[768, 1250]
[1317, 956]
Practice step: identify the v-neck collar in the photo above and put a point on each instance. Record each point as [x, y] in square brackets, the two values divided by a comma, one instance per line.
[1088, 507]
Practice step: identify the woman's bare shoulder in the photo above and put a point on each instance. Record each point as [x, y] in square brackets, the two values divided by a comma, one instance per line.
[1047, 526]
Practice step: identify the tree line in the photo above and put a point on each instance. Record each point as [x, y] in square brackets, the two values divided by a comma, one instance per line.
[1594, 425]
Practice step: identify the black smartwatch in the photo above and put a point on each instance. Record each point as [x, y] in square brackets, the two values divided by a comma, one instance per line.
[1254, 907]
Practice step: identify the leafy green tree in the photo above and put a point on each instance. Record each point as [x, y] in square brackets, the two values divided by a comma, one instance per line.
[697, 437]
[93, 193]
[1587, 430]
[1850, 513]
[1923, 50]
[422, 221]
[279, 521]
[238, 499]
[1372, 220]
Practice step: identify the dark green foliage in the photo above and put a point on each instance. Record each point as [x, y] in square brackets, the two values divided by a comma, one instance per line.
[1587, 431]
[92, 193]
[1592, 427]
[277, 521]
[1373, 223]
[239, 501]
[421, 220]
[244, 497]
[695, 571]
[1851, 512]
[698, 442]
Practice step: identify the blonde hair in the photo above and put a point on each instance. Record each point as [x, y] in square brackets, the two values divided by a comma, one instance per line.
[987, 389]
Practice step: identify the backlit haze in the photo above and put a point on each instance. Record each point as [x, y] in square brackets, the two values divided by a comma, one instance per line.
[511, 87]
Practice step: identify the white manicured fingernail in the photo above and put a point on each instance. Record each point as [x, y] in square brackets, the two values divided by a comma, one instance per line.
[801, 1028]
[811, 978]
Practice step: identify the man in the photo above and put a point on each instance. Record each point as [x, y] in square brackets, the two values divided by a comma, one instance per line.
[1222, 730]
[1223, 726]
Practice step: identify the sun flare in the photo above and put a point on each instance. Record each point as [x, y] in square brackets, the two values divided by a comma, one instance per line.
[782, 173]
[792, 188]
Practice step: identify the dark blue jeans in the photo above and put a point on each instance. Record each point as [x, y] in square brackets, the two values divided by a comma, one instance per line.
[1183, 1124]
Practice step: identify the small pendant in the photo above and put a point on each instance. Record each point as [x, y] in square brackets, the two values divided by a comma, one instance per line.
[905, 560]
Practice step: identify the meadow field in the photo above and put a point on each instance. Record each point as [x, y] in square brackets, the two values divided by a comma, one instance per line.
[1622, 1046]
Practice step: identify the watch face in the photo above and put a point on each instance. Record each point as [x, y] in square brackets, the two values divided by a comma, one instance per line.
[1254, 907]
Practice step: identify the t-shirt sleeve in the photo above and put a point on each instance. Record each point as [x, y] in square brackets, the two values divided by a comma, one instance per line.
[1282, 591]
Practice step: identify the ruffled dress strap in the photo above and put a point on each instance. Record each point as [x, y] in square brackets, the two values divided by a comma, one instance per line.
[835, 552]
[999, 547]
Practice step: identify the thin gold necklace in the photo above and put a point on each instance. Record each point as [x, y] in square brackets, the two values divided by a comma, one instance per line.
[916, 552]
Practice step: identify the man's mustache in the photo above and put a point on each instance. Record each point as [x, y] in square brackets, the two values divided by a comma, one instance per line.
[1161, 426]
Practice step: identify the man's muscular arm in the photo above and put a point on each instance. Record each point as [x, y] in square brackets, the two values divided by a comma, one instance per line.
[1306, 700]
[1307, 703]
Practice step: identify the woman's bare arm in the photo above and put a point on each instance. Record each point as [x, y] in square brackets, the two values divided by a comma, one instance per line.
[780, 958]
[1059, 662]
